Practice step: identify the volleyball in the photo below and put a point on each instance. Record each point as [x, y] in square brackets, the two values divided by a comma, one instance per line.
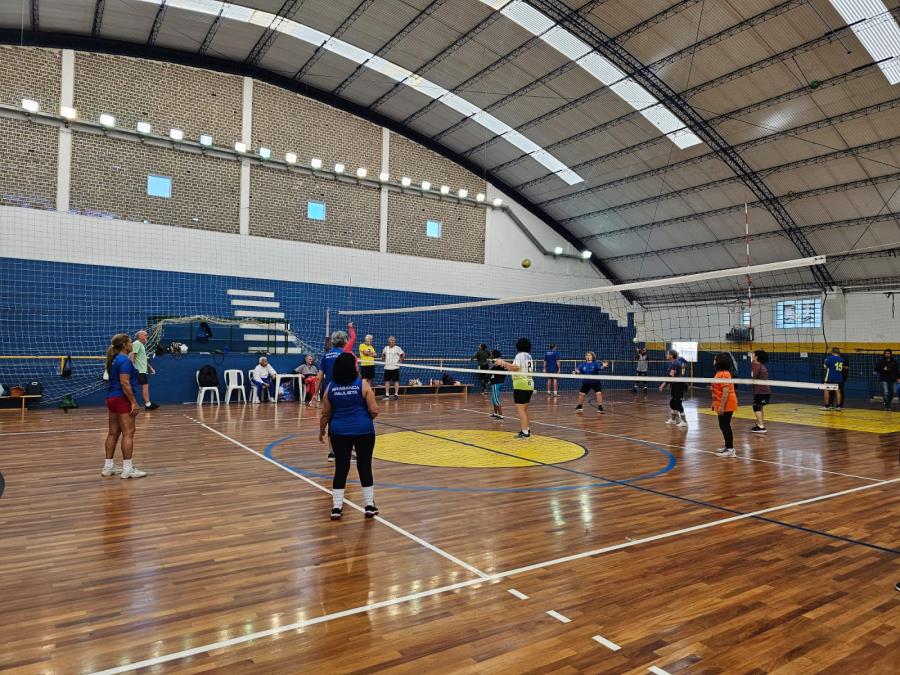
[526, 263]
[635, 340]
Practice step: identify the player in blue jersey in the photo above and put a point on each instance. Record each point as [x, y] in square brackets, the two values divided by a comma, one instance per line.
[834, 367]
[590, 366]
[675, 368]
[551, 365]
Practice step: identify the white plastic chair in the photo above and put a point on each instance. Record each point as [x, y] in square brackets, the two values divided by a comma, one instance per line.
[201, 394]
[234, 382]
[254, 395]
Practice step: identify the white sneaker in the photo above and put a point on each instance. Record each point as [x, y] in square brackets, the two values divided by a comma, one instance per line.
[386, 397]
[681, 424]
[133, 473]
[726, 452]
[113, 470]
[671, 421]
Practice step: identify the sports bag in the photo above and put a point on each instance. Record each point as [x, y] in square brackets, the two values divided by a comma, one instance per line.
[208, 377]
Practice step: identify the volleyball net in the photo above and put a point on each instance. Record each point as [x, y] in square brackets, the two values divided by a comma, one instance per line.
[775, 307]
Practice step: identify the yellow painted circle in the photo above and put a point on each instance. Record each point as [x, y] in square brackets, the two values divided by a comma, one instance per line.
[468, 448]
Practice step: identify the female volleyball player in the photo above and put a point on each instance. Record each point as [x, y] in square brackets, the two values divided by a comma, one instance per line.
[496, 385]
[590, 367]
[348, 408]
[761, 392]
[675, 368]
[724, 401]
[122, 406]
[551, 365]
[523, 383]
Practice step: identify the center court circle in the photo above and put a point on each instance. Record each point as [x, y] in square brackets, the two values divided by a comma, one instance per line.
[475, 449]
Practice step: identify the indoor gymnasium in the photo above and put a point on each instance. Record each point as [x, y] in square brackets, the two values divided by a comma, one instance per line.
[450, 336]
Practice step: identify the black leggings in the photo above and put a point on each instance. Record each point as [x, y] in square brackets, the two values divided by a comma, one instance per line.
[677, 393]
[364, 445]
[725, 426]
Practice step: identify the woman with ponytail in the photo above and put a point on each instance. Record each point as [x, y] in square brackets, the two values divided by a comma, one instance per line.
[122, 406]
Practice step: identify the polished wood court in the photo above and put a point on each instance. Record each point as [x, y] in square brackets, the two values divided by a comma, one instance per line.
[651, 552]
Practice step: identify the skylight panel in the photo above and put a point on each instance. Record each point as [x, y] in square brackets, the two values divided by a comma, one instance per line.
[634, 94]
[546, 159]
[388, 69]
[527, 17]
[877, 30]
[523, 143]
[491, 123]
[565, 43]
[347, 50]
[460, 105]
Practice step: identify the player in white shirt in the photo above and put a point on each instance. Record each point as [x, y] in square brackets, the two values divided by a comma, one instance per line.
[523, 382]
[393, 356]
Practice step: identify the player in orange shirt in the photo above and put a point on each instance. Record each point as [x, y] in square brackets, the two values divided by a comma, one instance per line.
[724, 401]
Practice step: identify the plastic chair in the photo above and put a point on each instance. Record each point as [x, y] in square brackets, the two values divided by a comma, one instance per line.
[254, 395]
[201, 394]
[234, 382]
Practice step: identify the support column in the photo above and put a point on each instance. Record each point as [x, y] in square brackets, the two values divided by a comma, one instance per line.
[385, 168]
[64, 152]
[247, 138]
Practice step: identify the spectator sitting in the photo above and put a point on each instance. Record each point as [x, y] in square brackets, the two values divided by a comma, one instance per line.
[263, 378]
[309, 371]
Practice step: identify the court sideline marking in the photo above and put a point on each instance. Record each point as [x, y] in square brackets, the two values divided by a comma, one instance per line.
[174, 656]
[684, 447]
[396, 528]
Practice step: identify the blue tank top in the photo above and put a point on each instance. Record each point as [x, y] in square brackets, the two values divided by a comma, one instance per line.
[551, 361]
[121, 365]
[349, 414]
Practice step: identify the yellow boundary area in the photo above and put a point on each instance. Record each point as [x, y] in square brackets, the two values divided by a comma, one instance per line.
[456, 448]
[849, 419]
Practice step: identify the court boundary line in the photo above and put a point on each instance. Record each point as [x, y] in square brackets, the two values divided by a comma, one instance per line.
[399, 530]
[299, 625]
[684, 447]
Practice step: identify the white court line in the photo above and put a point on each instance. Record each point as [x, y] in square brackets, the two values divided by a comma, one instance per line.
[396, 528]
[658, 671]
[609, 644]
[559, 617]
[684, 447]
[518, 594]
[462, 584]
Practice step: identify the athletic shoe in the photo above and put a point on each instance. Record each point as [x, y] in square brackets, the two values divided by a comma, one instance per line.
[600, 410]
[758, 430]
[681, 424]
[897, 586]
[152, 406]
[110, 471]
[556, 394]
[671, 421]
[353, 459]
[396, 397]
[839, 408]
[579, 408]
[371, 510]
[337, 513]
[523, 434]
[826, 407]
[386, 397]
[634, 390]
[330, 456]
[133, 473]
[726, 452]
[500, 417]
[645, 390]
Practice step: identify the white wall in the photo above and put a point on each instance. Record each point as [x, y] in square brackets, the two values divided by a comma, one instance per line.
[47, 235]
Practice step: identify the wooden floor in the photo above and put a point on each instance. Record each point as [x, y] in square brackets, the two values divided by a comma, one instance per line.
[654, 555]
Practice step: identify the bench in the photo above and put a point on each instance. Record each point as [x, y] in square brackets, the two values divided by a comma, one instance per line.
[23, 397]
[436, 389]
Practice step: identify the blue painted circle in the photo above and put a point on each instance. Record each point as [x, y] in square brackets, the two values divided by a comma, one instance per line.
[670, 464]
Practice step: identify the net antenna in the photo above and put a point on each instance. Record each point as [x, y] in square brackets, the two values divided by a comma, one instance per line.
[694, 313]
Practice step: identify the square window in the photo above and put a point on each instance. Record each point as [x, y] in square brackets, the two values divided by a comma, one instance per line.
[159, 186]
[745, 317]
[686, 350]
[433, 229]
[315, 210]
[806, 313]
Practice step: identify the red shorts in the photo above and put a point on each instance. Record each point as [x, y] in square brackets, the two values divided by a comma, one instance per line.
[119, 405]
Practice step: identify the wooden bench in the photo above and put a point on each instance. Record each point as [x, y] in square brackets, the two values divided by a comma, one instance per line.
[436, 389]
[24, 397]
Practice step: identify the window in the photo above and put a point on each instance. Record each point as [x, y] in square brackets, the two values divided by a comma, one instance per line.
[745, 317]
[806, 313]
[315, 210]
[159, 186]
[433, 229]
[686, 350]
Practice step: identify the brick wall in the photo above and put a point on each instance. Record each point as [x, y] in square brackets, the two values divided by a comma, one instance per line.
[163, 94]
[28, 164]
[30, 73]
[462, 236]
[420, 163]
[278, 209]
[110, 176]
[287, 122]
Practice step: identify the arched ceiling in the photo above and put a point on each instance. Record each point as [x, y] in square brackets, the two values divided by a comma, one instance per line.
[641, 128]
